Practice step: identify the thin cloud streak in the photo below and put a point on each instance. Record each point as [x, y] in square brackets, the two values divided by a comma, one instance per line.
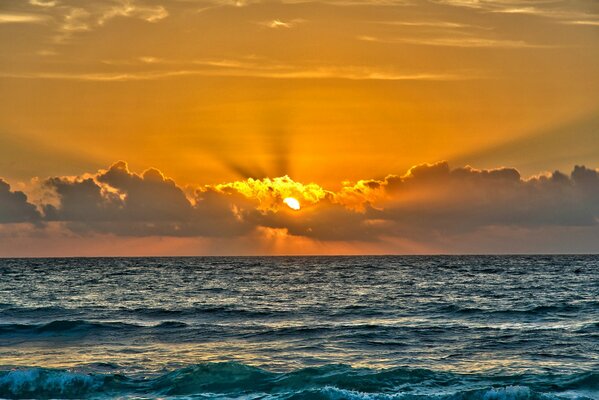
[537, 9]
[41, 3]
[589, 23]
[357, 73]
[279, 23]
[6, 18]
[426, 24]
[464, 42]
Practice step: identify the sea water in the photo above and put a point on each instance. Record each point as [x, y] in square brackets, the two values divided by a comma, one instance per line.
[438, 327]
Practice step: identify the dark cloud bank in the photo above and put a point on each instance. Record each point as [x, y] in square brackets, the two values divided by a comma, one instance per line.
[428, 201]
[14, 207]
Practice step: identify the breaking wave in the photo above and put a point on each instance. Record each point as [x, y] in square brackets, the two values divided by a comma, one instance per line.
[335, 381]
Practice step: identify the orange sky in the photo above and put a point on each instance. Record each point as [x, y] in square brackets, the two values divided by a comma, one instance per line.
[326, 92]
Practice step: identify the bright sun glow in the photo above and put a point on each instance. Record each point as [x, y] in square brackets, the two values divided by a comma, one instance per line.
[292, 203]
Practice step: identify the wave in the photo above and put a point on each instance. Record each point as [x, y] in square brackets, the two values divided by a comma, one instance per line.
[208, 310]
[80, 327]
[533, 310]
[380, 334]
[235, 380]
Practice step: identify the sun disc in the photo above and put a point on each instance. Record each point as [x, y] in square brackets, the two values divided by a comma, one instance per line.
[292, 203]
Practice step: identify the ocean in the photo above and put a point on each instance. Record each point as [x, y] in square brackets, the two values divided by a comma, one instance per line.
[385, 327]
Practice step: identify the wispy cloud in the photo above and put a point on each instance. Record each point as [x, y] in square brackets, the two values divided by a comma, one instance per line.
[543, 12]
[131, 10]
[465, 42]
[279, 23]
[47, 53]
[250, 67]
[9, 18]
[72, 18]
[376, 3]
[76, 20]
[42, 3]
[425, 24]
[347, 73]
[556, 10]
[589, 23]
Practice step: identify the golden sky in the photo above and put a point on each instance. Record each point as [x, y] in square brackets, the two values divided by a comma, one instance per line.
[330, 93]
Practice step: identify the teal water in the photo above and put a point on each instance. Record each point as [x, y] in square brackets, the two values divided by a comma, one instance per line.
[442, 327]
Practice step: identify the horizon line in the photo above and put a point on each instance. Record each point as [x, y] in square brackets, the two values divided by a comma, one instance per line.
[523, 254]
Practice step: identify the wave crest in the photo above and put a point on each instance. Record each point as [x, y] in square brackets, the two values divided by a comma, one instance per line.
[48, 383]
[326, 382]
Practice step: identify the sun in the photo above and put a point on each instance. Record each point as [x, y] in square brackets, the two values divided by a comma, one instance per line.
[292, 203]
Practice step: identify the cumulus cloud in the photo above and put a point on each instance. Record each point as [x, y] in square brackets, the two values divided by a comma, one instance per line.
[429, 201]
[435, 198]
[121, 202]
[14, 207]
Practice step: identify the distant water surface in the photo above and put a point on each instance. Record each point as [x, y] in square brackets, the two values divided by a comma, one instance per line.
[441, 327]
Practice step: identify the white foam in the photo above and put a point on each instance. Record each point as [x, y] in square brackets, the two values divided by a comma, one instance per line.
[508, 393]
[23, 381]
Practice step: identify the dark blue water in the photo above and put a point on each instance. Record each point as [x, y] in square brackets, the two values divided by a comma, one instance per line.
[504, 327]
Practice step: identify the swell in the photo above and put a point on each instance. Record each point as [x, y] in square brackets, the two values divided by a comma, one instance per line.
[326, 382]
[540, 310]
[174, 329]
[74, 327]
[143, 312]
[230, 310]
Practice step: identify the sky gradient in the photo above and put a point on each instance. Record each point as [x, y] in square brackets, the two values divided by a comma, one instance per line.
[400, 126]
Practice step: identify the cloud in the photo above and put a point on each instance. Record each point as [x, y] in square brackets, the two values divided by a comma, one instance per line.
[14, 207]
[426, 24]
[582, 22]
[8, 18]
[377, 3]
[278, 23]
[435, 198]
[129, 9]
[76, 20]
[436, 201]
[431, 203]
[465, 42]
[42, 3]
[328, 221]
[357, 73]
[559, 11]
[69, 17]
[120, 202]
